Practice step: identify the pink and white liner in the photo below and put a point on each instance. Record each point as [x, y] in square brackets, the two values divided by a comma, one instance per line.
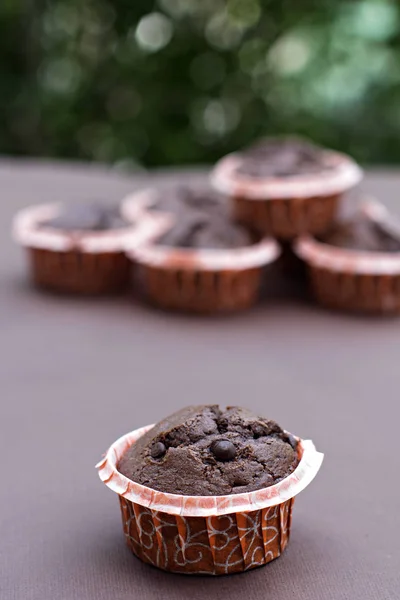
[337, 259]
[28, 230]
[343, 175]
[205, 506]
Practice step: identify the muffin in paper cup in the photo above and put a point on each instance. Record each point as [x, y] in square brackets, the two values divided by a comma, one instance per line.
[353, 280]
[209, 535]
[200, 280]
[80, 262]
[286, 207]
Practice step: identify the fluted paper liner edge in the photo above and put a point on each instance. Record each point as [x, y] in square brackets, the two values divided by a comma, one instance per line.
[28, 231]
[205, 506]
[345, 174]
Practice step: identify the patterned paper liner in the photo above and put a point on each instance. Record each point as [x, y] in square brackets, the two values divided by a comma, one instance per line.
[28, 231]
[205, 506]
[344, 175]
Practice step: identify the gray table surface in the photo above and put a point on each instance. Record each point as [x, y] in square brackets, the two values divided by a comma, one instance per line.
[76, 374]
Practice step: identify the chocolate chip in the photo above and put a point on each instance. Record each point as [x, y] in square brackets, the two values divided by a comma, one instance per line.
[223, 450]
[158, 450]
[292, 441]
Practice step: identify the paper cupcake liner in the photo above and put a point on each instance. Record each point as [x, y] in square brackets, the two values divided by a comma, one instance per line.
[79, 272]
[286, 218]
[206, 545]
[343, 175]
[206, 534]
[352, 280]
[204, 291]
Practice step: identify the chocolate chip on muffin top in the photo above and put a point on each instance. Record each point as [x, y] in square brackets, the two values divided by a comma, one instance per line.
[362, 232]
[87, 217]
[283, 157]
[205, 451]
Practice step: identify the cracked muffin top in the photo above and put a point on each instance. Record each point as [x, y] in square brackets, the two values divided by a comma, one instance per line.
[209, 451]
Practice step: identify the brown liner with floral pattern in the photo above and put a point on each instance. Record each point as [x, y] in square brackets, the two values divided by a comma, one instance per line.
[216, 545]
[353, 280]
[211, 535]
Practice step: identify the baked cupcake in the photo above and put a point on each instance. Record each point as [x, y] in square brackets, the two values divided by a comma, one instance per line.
[77, 248]
[285, 186]
[203, 262]
[207, 490]
[356, 264]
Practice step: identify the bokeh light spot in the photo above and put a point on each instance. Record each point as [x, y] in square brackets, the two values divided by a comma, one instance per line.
[154, 32]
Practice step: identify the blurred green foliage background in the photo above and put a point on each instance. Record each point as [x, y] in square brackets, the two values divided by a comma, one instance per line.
[143, 83]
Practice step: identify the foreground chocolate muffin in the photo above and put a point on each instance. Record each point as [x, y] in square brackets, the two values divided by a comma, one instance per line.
[285, 186]
[77, 248]
[207, 490]
[356, 264]
[202, 261]
[203, 450]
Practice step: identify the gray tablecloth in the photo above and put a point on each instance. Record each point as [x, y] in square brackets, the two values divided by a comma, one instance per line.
[76, 374]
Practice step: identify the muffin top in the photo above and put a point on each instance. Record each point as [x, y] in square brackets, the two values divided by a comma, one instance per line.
[204, 231]
[283, 157]
[202, 220]
[363, 232]
[87, 217]
[185, 199]
[208, 451]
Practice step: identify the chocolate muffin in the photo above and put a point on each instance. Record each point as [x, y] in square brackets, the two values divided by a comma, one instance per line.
[77, 248]
[366, 233]
[87, 217]
[285, 187]
[207, 451]
[284, 157]
[201, 261]
[355, 266]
